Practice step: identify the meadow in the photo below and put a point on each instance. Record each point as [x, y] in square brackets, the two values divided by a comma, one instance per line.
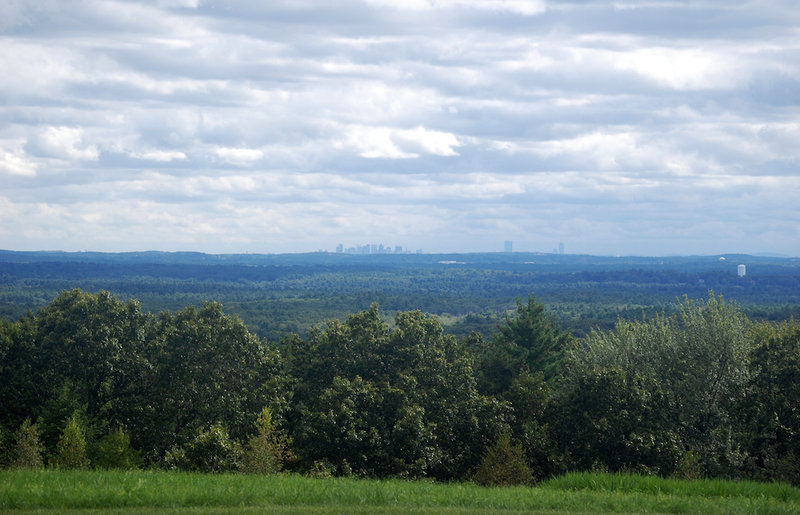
[39, 491]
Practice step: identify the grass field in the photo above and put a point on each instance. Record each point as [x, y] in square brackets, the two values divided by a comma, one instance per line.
[24, 491]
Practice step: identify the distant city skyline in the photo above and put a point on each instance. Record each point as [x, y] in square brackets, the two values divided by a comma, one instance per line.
[618, 128]
[373, 248]
[380, 248]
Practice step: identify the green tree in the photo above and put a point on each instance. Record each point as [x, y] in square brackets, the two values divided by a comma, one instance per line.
[71, 449]
[209, 367]
[465, 423]
[770, 411]
[504, 465]
[114, 451]
[609, 420]
[5, 446]
[375, 402]
[21, 387]
[529, 340]
[268, 450]
[27, 447]
[346, 428]
[676, 379]
[56, 412]
[211, 451]
[531, 403]
[91, 341]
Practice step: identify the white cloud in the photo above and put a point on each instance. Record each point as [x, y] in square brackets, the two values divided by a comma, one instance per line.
[65, 143]
[16, 163]
[524, 7]
[162, 156]
[392, 143]
[432, 142]
[239, 155]
[682, 68]
[284, 125]
[192, 4]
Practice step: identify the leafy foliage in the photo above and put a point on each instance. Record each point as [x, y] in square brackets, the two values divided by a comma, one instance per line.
[206, 366]
[114, 451]
[268, 450]
[71, 449]
[211, 451]
[504, 465]
[771, 408]
[28, 448]
[375, 402]
[648, 391]
[696, 391]
[531, 400]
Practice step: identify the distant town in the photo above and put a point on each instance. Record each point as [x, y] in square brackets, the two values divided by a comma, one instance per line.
[373, 248]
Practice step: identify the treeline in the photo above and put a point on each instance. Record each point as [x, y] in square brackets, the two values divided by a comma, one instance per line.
[94, 381]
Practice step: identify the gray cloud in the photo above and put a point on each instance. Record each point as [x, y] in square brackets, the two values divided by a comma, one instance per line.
[616, 127]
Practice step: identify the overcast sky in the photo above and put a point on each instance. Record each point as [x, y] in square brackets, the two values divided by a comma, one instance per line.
[616, 127]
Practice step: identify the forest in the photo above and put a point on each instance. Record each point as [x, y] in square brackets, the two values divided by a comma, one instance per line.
[279, 294]
[91, 379]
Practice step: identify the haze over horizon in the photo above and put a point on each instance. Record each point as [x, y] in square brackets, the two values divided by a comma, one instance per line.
[651, 128]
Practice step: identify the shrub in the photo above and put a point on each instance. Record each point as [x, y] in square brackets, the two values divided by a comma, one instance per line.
[211, 451]
[266, 452]
[5, 448]
[71, 448]
[114, 451]
[504, 465]
[28, 447]
[175, 459]
[321, 469]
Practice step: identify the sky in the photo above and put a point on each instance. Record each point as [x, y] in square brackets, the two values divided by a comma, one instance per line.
[230, 126]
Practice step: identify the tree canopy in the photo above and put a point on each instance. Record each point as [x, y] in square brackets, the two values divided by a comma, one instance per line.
[90, 380]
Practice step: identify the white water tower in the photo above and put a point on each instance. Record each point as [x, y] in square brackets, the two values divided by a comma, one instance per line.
[741, 270]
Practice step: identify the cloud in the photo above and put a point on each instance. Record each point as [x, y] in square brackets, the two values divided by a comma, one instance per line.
[616, 127]
[691, 68]
[391, 143]
[16, 163]
[524, 7]
[239, 156]
[161, 156]
[65, 143]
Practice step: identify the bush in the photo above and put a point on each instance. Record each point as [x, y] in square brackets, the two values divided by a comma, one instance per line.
[71, 448]
[504, 465]
[114, 451]
[28, 447]
[211, 451]
[688, 467]
[5, 447]
[268, 450]
[321, 469]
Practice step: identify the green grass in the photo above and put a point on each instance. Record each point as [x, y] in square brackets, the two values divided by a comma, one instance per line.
[174, 492]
